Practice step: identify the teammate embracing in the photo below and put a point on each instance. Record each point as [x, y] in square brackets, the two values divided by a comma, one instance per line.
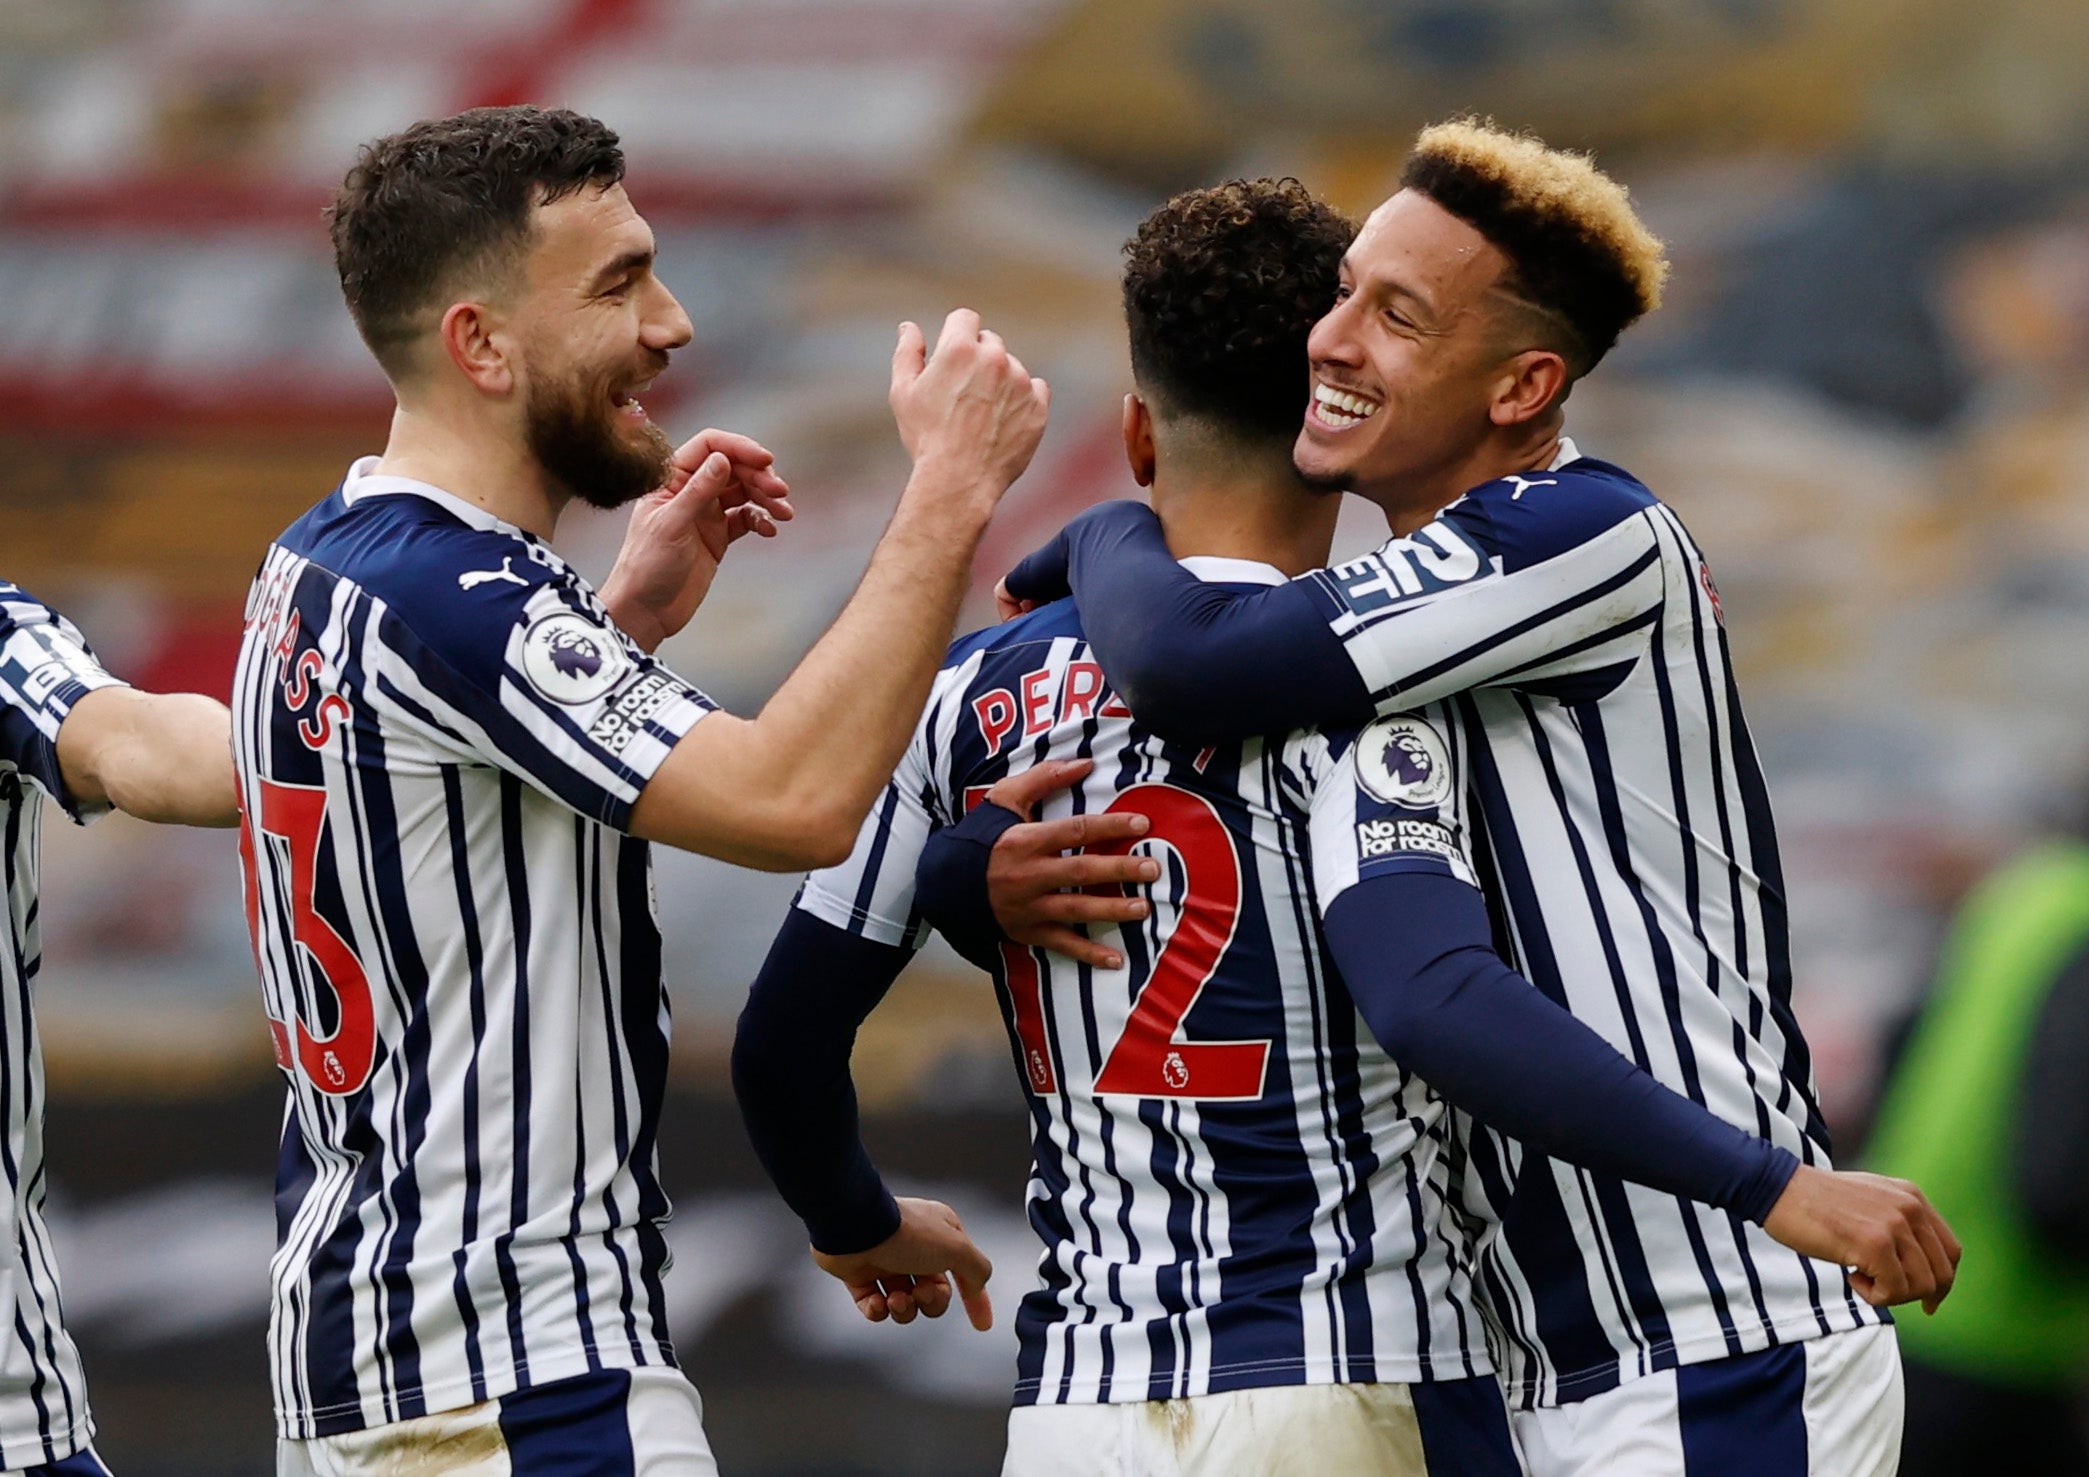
[451, 753]
[1240, 1171]
[1565, 621]
[72, 732]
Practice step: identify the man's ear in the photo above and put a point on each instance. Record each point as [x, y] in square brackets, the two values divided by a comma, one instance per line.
[472, 339]
[1531, 383]
[1138, 439]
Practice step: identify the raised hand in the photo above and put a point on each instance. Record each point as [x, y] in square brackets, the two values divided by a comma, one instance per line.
[1885, 1230]
[1044, 888]
[970, 407]
[721, 486]
[911, 1270]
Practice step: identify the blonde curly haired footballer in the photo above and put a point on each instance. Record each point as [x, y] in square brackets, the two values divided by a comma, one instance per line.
[1579, 256]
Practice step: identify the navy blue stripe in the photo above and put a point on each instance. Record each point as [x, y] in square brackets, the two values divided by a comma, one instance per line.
[1716, 749]
[620, 1117]
[1505, 634]
[47, 1361]
[519, 927]
[1616, 1233]
[581, 851]
[475, 960]
[1465, 1429]
[571, 1428]
[640, 1010]
[867, 883]
[1744, 1417]
[373, 815]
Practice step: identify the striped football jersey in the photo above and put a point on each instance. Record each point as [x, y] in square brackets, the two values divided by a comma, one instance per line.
[1234, 1187]
[1622, 828]
[45, 667]
[439, 738]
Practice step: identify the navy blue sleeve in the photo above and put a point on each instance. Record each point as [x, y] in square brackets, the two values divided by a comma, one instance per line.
[791, 1075]
[950, 888]
[1197, 662]
[1415, 949]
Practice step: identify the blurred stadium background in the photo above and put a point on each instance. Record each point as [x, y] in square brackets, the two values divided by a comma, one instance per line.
[1867, 396]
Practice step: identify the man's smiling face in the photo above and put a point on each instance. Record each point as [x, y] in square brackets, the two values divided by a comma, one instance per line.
[596, 327]
[1406, 361]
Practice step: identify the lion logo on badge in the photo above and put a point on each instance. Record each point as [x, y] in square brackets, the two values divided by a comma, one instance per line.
[1403, 761]
[570, 659]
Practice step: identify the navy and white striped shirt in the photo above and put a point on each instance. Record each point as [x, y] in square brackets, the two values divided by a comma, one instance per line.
[45, 667]
[1233, 1185]
[1623, 829]
[440, 737]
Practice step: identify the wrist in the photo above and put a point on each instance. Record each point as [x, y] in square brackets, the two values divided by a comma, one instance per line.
[632, 616]
[956, 486]
[869, 1218]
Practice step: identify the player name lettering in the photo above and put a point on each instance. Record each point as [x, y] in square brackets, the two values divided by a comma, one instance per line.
[1042, 699]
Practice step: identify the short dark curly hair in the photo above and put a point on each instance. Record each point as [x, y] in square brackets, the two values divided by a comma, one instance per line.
[450, 194]
[1221, 288]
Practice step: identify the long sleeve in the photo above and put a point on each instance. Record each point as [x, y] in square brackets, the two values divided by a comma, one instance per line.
[1415, 951]
[791, 1076]
[1523, 579]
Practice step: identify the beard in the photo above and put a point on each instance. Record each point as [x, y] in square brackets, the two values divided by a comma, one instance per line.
[573, 431]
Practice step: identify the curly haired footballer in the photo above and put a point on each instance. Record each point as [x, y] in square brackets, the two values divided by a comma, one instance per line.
[1221, 288]
[1581, 257]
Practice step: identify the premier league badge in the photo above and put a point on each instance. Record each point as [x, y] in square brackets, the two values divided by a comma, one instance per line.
[1402, 761]
[570, 659]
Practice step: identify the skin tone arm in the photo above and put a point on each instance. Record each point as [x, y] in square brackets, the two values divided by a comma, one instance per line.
[787, 789]
[1899, 1248]
[158, 756]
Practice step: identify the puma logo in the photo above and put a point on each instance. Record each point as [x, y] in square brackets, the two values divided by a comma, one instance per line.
[472, 579]
[1525, 484]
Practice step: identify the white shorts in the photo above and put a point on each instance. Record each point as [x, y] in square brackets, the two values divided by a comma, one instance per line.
[1828, 1407]
[620, 1423]
[1455, 1428]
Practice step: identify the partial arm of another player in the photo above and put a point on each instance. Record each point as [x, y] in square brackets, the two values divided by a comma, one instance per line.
[1496, 589]
[1197, 661]
[1416, 951]
[786, 790]
[791, 1075]
[158, 756]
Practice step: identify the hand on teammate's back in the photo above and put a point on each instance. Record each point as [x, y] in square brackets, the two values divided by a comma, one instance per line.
[970, 406]
[721, 486]
[911, 1270]
[1050, 879]
[1899, 1248]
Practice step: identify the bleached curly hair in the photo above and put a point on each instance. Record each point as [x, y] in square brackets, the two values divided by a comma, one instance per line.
[1578, 253]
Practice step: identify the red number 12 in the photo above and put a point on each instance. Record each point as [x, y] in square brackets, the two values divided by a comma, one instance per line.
[1153, 1058]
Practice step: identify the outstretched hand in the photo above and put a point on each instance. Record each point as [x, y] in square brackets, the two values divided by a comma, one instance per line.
[910, 1271]
[1885, 1230]
[721, 486]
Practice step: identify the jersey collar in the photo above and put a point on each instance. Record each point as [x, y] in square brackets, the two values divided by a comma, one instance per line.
[364, 480]
[1215, 570]
[1568, 452]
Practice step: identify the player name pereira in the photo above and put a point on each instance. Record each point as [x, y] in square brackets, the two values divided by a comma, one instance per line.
[1042, 699]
